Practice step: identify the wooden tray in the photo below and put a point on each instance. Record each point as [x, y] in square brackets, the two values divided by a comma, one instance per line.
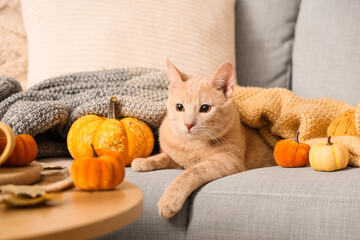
[28, 174]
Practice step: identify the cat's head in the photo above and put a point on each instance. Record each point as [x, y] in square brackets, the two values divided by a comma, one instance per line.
[199, 106]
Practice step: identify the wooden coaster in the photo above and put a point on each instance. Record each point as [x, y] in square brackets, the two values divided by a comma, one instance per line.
[25, 175]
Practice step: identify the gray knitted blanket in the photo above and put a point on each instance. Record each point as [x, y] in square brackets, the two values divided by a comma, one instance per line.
[48, 109]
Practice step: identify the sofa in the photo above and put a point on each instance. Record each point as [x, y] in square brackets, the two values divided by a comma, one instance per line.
[312, 48]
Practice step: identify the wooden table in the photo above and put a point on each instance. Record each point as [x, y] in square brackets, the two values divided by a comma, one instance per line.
[80, 215]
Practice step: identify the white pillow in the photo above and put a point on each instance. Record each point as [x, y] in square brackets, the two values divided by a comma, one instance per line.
[13, 44]
[84, 35]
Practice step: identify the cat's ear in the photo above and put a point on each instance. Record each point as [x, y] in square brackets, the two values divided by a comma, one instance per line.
[175, 76]
[224, 79]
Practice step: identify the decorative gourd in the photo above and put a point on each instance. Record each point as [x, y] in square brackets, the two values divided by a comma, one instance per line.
[343, 125]
[329, 156]
[24, 151]
[7, 142]
[102, 171]
[290, 153]
[130, 137]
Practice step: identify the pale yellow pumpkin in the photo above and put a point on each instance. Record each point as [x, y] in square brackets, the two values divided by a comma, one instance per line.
[130, 137]
[329, 156]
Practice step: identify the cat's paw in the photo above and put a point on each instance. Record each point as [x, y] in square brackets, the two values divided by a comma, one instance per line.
[170, 204]
[143, 165]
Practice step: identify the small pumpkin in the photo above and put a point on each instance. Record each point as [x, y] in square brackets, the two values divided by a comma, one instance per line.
[329, 156]
[102, 171]
[130, 137]
[24, 151]
[7, 144]
[290, 153]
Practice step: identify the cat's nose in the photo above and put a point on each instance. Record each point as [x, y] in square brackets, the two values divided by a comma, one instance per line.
[189, 125]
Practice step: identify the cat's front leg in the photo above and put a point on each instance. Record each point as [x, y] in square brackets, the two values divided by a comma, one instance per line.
[220, 165]
[159, 161]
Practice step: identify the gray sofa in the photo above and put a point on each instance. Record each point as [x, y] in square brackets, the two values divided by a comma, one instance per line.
[313, 48]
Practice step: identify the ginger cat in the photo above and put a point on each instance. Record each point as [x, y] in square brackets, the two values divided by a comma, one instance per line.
[203, 134]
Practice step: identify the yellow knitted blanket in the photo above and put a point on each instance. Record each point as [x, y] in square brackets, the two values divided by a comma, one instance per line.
[280, 114]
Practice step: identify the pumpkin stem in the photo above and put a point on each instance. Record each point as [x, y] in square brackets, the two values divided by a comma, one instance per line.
[112, 108]
[329, 142]
[94, 152]
[297, 137]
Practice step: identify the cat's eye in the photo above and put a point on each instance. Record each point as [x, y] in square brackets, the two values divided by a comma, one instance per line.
[205, 108]
[180, 107]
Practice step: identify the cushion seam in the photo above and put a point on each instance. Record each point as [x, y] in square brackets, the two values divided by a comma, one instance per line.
[316, 199]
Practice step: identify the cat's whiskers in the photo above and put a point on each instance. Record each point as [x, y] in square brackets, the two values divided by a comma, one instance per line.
[224, 141]
[219, 140]
[204, 136]
[211, 127]
[213, 138]
[216, 134]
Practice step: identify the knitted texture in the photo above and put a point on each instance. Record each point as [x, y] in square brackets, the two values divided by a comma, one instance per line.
[48, 109]
[280, 114]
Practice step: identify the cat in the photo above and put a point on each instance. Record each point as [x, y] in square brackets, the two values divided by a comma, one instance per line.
[203, 134]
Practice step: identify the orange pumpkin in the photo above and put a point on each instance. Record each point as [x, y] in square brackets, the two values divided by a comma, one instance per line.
[102, 171]
[7, 147]
[130, 137]
[25, 150]
[290, 153]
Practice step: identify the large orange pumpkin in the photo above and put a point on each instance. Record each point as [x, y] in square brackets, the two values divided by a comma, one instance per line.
[102, 171]
[25, 150]
[130, 137]
[290, 153]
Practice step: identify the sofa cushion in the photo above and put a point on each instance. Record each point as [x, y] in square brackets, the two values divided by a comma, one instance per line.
[278, 203]
[264, 40]
[85, 35]
[150, 225]
[326, 60]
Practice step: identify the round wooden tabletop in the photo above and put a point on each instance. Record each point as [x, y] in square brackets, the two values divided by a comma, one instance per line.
[80, 215]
